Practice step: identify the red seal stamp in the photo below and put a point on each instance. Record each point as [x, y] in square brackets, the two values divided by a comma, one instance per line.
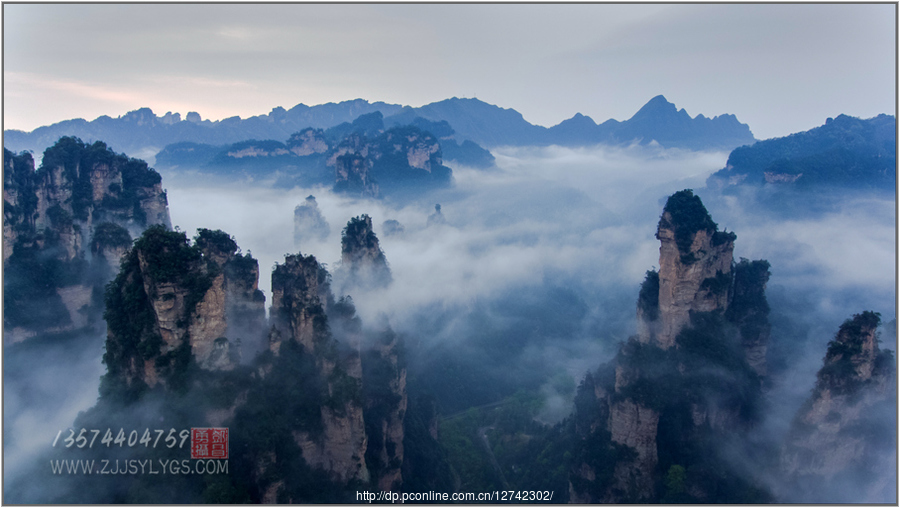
[209, 443]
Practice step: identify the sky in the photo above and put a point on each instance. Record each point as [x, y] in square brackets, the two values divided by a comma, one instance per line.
[780, 68]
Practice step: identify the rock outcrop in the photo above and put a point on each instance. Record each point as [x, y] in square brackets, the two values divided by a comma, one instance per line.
[384, 387]
[694, 267]
[749, 311]
[308, 142]
[408, 158]
[378, 161]
[175, 303]
[362, 158]
[363, 264]
[842, 445]
[697, 274]
[689, 377]
[309, 224]
[319, 408]
[301, 297]
[300, 294]
[19, 198]
[351, 163]
[361, 437]
[62, 213]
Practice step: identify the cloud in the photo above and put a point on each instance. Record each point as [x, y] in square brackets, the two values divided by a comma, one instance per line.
[585, 213]
[605, 61]
[72, 90]
[533, 279]
[45, 387]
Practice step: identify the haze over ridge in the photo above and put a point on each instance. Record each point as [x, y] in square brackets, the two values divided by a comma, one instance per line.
[68, 61]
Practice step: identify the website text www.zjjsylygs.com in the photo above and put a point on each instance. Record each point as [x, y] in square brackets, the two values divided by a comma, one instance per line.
[138, 466]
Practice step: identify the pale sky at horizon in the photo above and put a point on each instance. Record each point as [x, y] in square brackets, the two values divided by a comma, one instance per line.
[780, 68]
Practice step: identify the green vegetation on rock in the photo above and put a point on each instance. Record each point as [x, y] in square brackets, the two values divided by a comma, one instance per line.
[687, 217]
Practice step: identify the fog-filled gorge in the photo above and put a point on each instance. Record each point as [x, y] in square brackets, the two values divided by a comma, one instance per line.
[539, 261]
[553, 208]
[595, 254]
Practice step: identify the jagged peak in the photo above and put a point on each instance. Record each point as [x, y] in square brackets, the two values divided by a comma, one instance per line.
[657, 105]
[358, 232]
[685, 207]
[685, 215]
[140, 115]
[470, 102]
[216, 245]
[856, 338]
[578, 119]
[853, 357]
[362, 259]
[292, 261]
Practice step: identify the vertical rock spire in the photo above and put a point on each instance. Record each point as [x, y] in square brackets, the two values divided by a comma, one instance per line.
[363, 263]
[694, 266]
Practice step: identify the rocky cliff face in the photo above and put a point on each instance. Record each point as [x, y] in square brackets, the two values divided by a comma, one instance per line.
[697, 274]
[319, 408]
[175, 303]
[842, 446]
[109, 243]
[749, 311]
[691, 373]
[389, 160]
[60, 212]
[301, 296]
[384, 387]
[19, 198]
[351, 163]
[406, 157]
[634, 425]
[694, 267]
[308, 142]
[361, 436]
[363, 264]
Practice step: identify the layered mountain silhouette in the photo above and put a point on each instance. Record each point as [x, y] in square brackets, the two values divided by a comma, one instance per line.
[470, 122]
[143, 132]
[846, 152]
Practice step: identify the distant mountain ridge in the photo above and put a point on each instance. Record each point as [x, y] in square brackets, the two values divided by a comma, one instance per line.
[140, 130]
[846, 152]
[144, 133]
[363, 157]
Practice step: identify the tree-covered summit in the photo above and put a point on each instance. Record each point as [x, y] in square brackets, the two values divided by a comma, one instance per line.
[847, 152]
[688, 216]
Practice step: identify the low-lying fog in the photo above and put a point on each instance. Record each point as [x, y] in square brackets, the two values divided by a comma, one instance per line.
[587, 212]
[546, 252]
[556, 231]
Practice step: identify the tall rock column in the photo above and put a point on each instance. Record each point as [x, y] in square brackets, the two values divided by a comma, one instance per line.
[363, 264]
[842, 445]
[298, 304]
[694, 366]
[300, 297]
[694, 265]
[384, 387]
